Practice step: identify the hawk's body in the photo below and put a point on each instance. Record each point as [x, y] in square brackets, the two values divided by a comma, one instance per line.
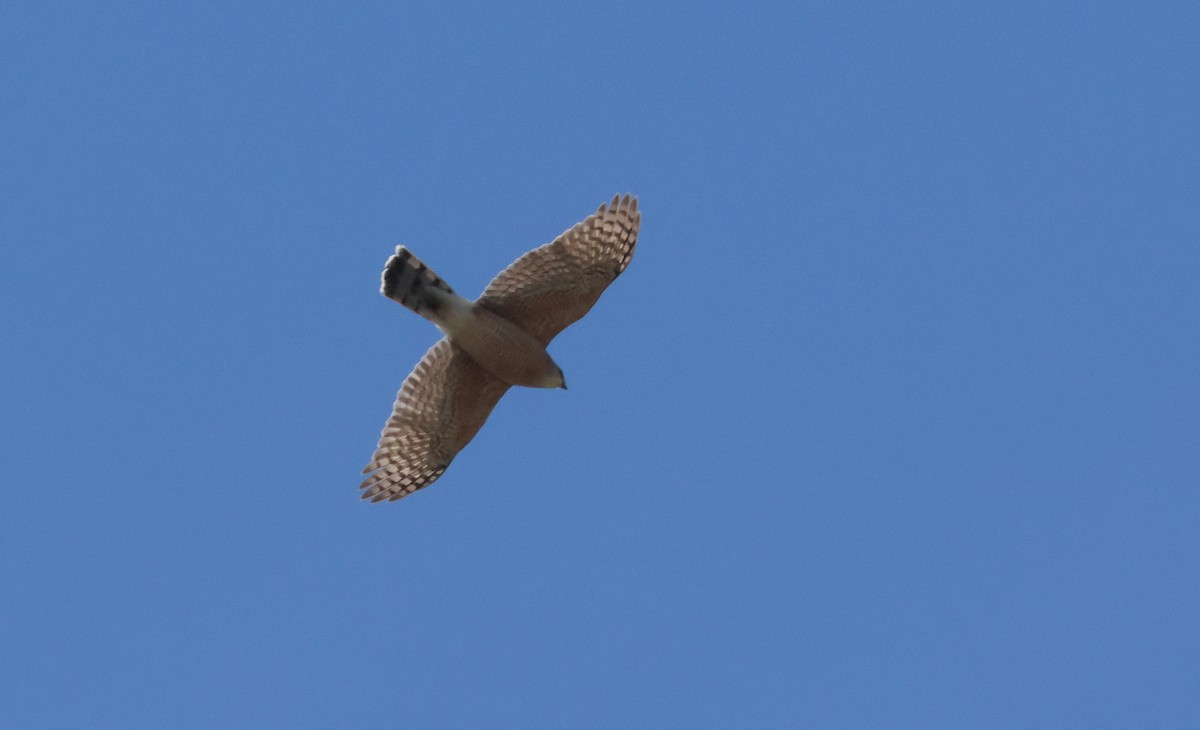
[491, 344]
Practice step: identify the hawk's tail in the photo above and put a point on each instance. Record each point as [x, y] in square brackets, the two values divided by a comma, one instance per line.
[408, 281]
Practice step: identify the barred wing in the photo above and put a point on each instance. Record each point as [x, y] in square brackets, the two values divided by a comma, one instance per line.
[440, 407]
[551, 287]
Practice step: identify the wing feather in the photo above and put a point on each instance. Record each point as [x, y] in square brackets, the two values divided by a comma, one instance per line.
[440, 407]
[552, 286]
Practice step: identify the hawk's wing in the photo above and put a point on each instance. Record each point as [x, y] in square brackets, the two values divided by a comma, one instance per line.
[439, 409]
[552, 286]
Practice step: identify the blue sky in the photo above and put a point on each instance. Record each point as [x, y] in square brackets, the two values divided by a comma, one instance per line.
[892, 421]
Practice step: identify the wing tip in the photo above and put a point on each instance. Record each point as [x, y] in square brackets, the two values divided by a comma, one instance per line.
[627, 202]
[372, 493]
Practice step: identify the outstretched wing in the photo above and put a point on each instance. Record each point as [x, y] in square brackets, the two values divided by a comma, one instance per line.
[439, 409]
[550, 287]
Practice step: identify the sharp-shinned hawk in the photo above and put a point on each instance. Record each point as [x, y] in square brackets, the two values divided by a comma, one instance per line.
[491, 344]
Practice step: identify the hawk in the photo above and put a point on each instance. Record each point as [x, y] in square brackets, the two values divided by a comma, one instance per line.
[491, 344]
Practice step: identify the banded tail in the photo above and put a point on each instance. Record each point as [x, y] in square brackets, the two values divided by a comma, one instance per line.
[408, 281]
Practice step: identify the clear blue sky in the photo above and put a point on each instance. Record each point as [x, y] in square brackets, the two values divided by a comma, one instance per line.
[892, 421]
